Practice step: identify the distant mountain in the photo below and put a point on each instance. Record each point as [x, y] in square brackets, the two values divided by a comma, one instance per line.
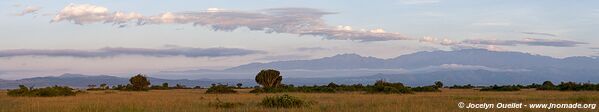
[470, 66]
[352, 65]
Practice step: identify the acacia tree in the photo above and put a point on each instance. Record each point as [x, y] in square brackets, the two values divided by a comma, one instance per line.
[139, 82]
[269, 78]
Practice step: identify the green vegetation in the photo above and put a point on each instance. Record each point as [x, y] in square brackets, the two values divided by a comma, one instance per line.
[569, 86]
[219, 89]
[284, 101]
[43, 92]
[467, 86]
[501, 88]
[382, 86]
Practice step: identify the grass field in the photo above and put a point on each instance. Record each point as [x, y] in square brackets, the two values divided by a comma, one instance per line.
[196, 101]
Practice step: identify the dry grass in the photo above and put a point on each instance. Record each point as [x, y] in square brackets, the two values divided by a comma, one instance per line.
[197, 101]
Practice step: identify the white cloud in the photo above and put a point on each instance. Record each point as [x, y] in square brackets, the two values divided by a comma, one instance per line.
[492, 44]
[434, 40]
[301, 21]
[86, 14]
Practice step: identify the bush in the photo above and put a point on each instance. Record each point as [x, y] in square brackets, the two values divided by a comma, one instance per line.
[284, 101]
[220, 89]
[43, 92]
[501, 88]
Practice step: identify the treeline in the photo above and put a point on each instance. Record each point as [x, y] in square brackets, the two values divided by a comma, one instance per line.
[270, 82]
[43, 92]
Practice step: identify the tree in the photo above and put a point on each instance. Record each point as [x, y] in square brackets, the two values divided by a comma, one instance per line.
[333, 85]
[438, 84]
[139, 82]
[165, 85]
[239, 85]
[269, 78]
[548, 84]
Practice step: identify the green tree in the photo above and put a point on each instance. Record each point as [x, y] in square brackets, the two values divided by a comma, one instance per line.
[139, 82]
[269, 78]
[438, 84]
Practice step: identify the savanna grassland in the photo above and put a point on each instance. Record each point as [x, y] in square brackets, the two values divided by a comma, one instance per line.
[195, 100]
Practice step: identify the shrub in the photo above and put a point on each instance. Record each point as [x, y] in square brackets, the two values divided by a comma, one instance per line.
[43, 92]
[220, 89]
[501, 88]
[284, 101]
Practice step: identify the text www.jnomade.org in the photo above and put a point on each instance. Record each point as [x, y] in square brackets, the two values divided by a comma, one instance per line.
[522, 105]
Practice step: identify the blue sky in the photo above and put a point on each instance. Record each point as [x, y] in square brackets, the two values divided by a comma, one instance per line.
[41, 37]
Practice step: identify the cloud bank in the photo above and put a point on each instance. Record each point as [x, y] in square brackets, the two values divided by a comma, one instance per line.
[492, 42]
[301, 21]
[120, 51]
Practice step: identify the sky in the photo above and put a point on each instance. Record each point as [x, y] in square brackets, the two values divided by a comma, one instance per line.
[116, 37]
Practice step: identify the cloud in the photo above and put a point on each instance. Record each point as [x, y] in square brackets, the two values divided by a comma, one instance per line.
[433, 40]
[86, 14]
[119, 51]
[283, 57]
[539, 33]
[29, 10]
[493, 43]
[301, 21]
[310, 49]
[527, 41]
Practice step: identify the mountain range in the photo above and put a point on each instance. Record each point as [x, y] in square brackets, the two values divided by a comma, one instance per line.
[468, 66]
